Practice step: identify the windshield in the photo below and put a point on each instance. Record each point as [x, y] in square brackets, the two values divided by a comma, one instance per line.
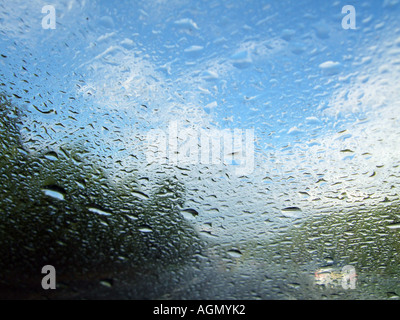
[200, 149]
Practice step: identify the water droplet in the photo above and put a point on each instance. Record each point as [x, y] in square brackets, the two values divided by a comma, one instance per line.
[328, 260]
[292, 212]
[394, 226]
[234, 253]
[193, 50]
[330, 68]
[241, 60]
[80, 184]
[98, 211]
[294, 131]
[312, 120]
[145, 229]
[392, 295]
[140, 195]
[107, 22]
[189, 213]
[55, 192]
[107, 283]
[288, 34]
[53, 156]
[186, 23]
[291, 209]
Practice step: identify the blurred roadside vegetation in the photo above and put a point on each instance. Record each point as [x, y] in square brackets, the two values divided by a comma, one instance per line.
[57, 208]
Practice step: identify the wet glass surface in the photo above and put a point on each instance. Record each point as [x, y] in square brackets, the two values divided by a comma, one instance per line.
[200, 150]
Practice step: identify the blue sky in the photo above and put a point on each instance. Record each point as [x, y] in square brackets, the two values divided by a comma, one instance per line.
[110, 72]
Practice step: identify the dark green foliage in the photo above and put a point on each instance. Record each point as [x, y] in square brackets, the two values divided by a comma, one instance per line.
[37, 229]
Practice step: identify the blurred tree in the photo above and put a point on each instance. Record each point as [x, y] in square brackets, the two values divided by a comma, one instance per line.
[58, 208]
